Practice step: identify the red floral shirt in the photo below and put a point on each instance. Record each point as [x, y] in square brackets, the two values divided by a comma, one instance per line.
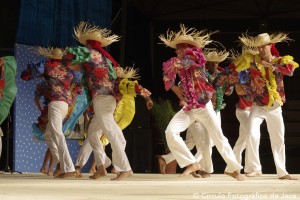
[192, 73]
[58, 82]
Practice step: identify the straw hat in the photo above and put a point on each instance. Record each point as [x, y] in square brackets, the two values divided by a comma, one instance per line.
[50, 52]
[234, 54]
[216, 56]
[186, 36]
[85, 31]
[263, 39]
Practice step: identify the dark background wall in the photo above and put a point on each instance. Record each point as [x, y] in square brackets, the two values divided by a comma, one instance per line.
[140, 22]
[146, 20]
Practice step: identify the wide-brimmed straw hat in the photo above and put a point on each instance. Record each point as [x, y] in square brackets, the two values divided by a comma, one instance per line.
[85, 31]
[186, 36]
[52, 53]
[263, 39]
[216, 56]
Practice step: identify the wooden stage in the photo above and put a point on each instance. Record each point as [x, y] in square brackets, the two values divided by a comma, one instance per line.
[36, 186]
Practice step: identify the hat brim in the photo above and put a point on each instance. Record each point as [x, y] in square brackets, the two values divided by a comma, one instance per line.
[175, 43]
[214, 60]
[55, 57]
[103, 42]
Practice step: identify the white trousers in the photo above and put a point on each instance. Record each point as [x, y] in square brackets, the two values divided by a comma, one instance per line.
[84, 154]
[275, 126]
[203, 145]
[54, 136]
[240, 145]
[197, 136]
[207, 116]
[202, 142]
[104, 107]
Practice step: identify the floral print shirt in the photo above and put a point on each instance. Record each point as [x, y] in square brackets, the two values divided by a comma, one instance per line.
[220, 87]
[266, 85]
[191, 71]
[99, 75]
[59, 85]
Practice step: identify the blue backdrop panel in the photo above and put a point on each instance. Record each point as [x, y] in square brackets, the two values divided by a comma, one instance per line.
[29, 153]
[51, 22]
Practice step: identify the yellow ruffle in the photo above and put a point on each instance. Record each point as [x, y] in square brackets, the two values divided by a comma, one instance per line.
[125, 109]
[286, 60]
[243, 62]
[271, 83]
[127, 87]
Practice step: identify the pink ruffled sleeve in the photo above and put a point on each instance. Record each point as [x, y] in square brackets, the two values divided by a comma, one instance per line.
[169, 72]
[193, 57]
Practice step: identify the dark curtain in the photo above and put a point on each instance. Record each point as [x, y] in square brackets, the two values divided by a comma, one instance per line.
[51, 22]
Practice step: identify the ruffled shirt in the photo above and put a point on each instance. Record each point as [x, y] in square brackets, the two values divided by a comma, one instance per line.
[191, 71]
[99, 74]
[220, 87]
[267, 86]
[59, 85]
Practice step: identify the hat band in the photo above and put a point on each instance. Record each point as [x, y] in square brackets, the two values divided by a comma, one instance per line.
[97, 45]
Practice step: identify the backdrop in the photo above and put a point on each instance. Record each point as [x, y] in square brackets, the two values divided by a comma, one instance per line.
[45, 23]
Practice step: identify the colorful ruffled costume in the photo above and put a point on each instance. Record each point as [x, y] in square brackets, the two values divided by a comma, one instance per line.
[269, 86]
[8, 88]
[125, 90]
[36, 70]
[193, 77]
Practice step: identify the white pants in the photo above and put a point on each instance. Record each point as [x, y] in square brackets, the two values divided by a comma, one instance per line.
[275, 126]
[202, 142]
[104, 107]
[195, 136]
[84, 154]
[203, 145]
[207, 116]
[54, 136]
[240, 145]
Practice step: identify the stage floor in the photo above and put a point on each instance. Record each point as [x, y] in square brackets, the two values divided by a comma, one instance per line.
[36, 186]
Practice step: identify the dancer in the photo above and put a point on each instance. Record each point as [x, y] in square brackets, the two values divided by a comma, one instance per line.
[42, 123]
[61, 93]
[100, 72]
[190, 66]
[243, 107]
[264, 72]
[36, 70]
[86, 148]
[203, 142]
[123, 115]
